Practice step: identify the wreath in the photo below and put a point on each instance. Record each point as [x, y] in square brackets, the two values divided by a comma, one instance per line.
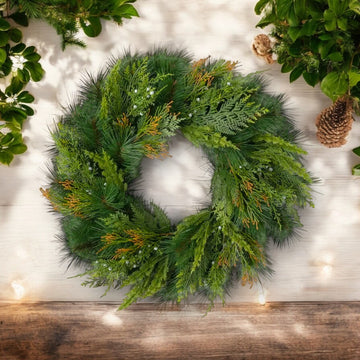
[129, 111]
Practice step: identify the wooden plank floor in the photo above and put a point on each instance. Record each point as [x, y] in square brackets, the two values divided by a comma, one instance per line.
[86, 330]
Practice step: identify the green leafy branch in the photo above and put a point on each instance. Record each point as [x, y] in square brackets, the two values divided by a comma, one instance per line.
[19, 63]
[317, 40]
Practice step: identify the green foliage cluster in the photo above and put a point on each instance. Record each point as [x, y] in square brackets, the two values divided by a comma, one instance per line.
[130, 111]
[68, 16]
[318, 39]
[19, 64]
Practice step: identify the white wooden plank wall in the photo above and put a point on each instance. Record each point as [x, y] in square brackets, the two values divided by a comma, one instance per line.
[323, 265]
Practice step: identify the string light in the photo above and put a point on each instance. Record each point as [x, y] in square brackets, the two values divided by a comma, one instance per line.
[327, 270]
[262, 300]
[19, 289]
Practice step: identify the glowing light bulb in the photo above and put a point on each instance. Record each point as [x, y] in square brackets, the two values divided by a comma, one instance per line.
[262, 300]
[19, 290]
[327, 270]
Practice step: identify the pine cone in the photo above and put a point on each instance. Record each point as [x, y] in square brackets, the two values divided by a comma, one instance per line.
[335, 122]
[262, 47]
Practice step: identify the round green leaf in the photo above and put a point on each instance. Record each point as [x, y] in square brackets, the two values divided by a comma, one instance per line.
[35, 69]
[4, 25]
[356, 170]
[29, 50]
[25, 97]
[296, 73]
[15, 35]
[6, 156]
[91, 26]
[126, 11]
[33, 57]
[20, 18]
[311, 78]
[3, 56]
[4, 38]
[17, 49]
[18, 149]
[29, 111]
[335, 84]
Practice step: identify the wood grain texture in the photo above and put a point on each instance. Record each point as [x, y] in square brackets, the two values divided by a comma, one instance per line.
[63, 330]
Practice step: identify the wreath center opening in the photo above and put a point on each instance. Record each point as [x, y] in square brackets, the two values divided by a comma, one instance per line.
[180, 183]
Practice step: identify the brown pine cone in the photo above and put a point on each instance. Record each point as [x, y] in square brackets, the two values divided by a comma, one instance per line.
[335, 122]
[262, 47]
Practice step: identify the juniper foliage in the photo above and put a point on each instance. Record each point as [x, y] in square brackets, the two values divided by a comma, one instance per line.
[129, 112]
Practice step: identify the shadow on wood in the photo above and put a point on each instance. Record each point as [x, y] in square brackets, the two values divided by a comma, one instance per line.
[87, 330]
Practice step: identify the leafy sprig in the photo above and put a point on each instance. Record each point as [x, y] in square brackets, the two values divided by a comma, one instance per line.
[318, 40]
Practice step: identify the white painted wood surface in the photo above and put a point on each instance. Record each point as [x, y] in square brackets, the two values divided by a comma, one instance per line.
[323, 265]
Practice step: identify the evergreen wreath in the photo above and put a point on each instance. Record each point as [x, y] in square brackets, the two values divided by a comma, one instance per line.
[128, 112]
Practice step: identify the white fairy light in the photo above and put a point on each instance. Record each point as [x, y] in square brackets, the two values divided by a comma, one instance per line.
[19, 290]
[18, 62]
[326, 270]
[262, 299]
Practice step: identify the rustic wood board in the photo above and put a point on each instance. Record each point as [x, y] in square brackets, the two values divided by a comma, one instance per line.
[84, 330]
